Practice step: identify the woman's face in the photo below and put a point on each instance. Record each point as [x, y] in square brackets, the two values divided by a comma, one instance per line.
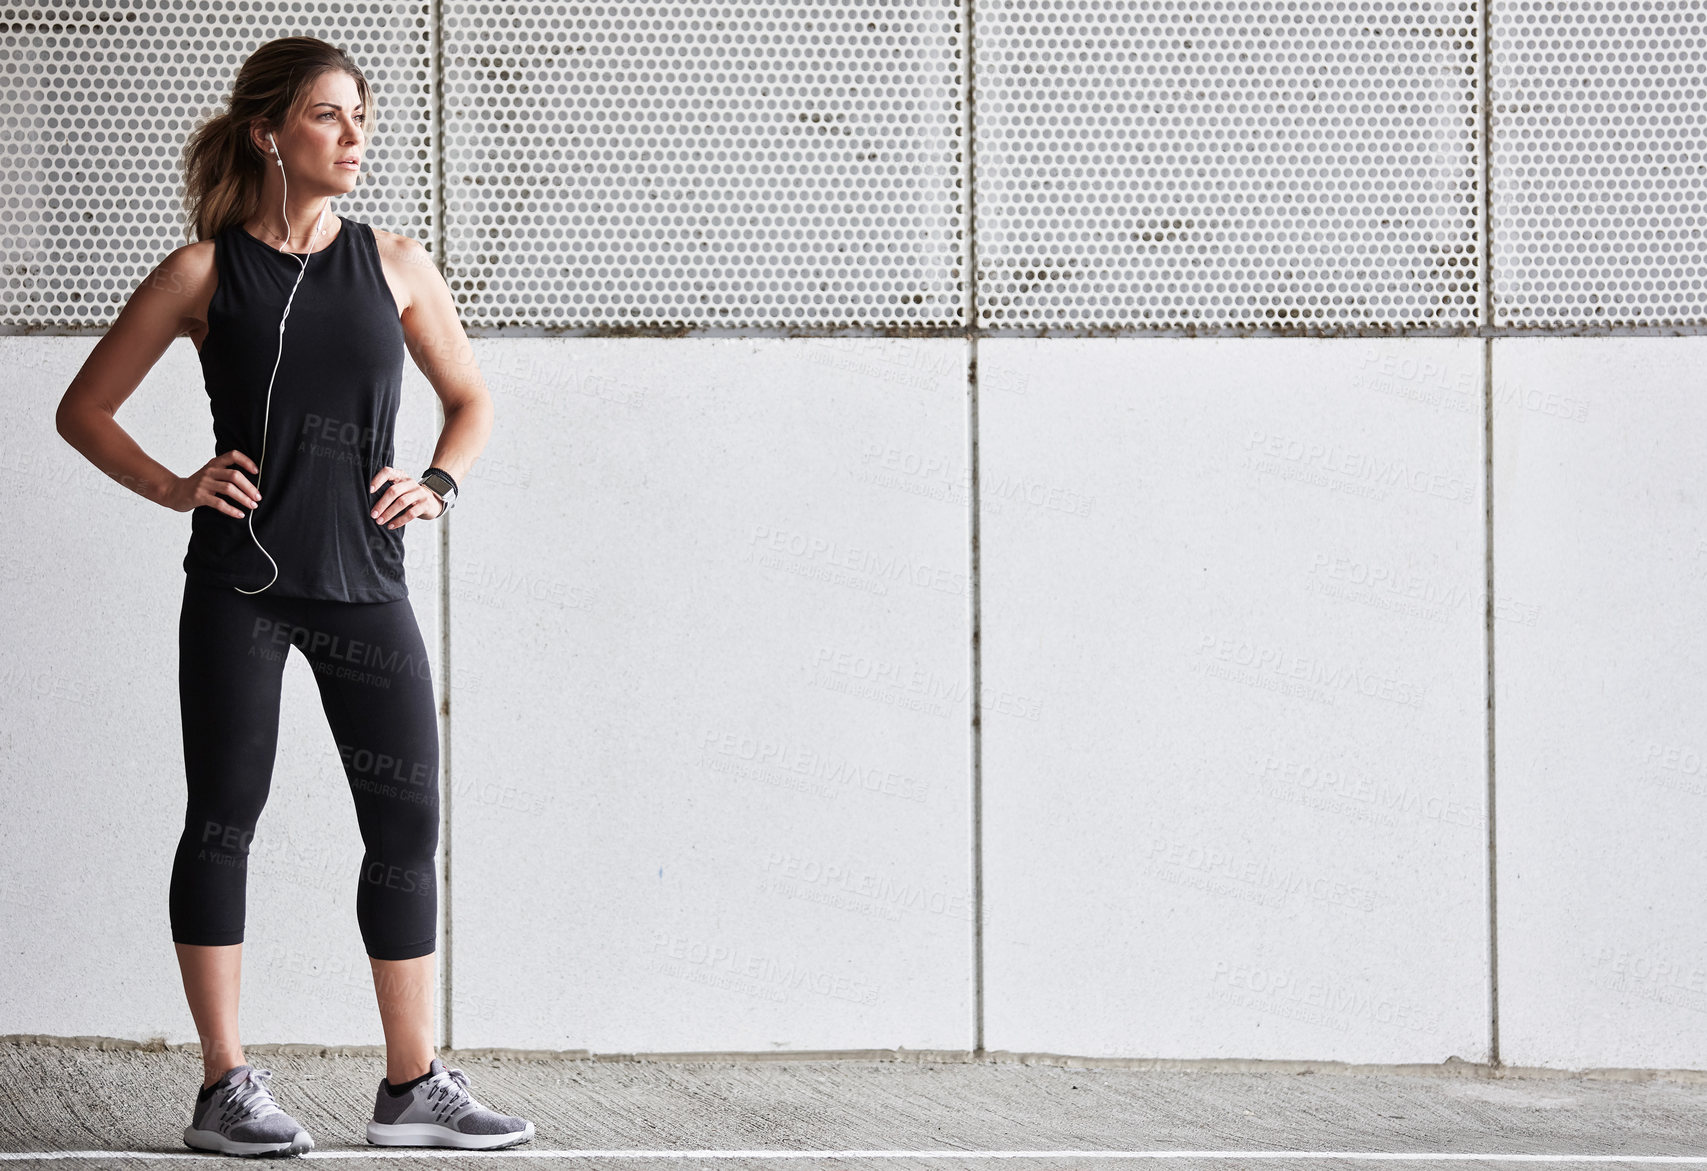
[318, 141]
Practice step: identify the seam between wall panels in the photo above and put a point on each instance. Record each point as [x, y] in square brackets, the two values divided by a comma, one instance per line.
[440, 240]
[1486, 207]
[969, 278]
[1488, 635]
[447, 794]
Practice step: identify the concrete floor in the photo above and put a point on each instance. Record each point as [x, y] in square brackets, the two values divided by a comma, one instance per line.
[67, 1107]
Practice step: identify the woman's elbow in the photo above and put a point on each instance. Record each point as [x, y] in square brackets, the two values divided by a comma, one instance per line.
[71, 419]
[62, 418]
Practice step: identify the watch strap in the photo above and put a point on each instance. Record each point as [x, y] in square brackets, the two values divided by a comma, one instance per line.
[441, 483]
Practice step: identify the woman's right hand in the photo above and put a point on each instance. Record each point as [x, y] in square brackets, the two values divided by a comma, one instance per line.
[216, 483]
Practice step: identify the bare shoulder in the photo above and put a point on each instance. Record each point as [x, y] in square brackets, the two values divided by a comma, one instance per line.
[189, 263]
[187, 277]
[198, 253]
[404, 250]
[407, 266]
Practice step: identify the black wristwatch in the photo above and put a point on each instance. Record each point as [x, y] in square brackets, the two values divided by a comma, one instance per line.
[438, 481]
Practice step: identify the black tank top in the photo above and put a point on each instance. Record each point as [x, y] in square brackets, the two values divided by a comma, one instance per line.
[334, 407]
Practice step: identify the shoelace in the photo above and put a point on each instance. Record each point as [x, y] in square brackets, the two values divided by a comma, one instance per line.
[251, 1097]
[447, 1092]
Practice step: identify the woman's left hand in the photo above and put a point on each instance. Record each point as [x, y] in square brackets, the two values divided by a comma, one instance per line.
[403, 500]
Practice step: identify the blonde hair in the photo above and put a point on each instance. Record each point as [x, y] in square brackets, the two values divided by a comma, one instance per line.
[223, 168]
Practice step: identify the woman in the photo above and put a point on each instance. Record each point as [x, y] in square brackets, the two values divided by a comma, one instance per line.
[297, 540]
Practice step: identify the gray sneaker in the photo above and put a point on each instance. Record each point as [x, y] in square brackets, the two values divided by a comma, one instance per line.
[241, 1118]
[440, 1112]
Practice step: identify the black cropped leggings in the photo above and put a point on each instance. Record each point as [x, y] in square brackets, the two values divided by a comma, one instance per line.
[375, 682]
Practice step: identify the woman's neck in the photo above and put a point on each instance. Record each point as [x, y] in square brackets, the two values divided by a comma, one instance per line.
[308, 238]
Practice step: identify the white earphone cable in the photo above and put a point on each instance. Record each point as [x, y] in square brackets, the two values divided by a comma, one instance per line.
[261, 463]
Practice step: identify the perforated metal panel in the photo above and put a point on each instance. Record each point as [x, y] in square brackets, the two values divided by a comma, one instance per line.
[1246, 163]
[1600, 162]
[705, 164]
[99, 99]
[1298, 164]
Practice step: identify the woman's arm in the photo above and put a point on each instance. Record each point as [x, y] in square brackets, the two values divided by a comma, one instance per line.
[170, 301]
[443, 354]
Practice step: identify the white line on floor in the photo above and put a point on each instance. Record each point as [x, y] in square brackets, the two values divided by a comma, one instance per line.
[523, 1153]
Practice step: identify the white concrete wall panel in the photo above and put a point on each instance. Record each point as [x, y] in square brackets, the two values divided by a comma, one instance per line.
[1600, 663]
[710, 662]
[1234, 698]
[1233, 774]
[91, 581]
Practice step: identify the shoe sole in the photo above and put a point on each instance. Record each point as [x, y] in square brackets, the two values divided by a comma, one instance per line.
[429, 1134]
[212, 1140]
